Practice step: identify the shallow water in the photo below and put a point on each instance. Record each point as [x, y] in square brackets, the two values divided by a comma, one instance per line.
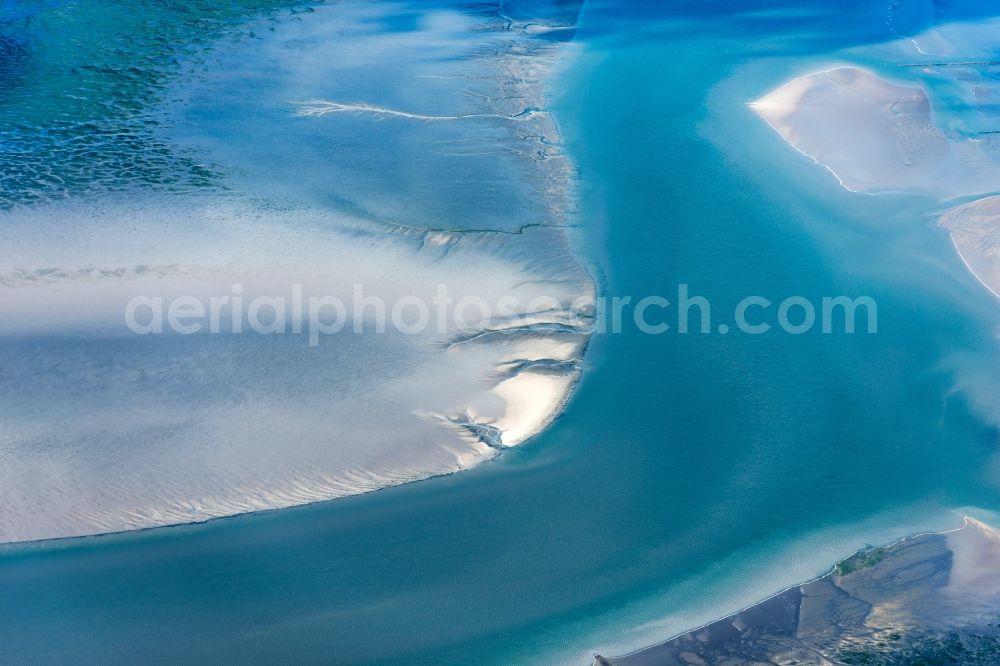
[691, 474]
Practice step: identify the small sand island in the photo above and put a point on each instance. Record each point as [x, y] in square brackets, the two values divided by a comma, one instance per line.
[929, 599]
[876, 136]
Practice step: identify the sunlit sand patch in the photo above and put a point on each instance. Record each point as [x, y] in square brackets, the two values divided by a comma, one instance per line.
[975, 230]
[876, 136]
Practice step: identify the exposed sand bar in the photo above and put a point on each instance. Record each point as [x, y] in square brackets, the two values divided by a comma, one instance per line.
[876, 136]
[975, 230]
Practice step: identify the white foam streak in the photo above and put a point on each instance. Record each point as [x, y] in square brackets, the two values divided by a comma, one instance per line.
[321, 108]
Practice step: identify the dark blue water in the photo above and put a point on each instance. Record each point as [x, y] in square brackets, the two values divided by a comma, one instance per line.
[690, 475]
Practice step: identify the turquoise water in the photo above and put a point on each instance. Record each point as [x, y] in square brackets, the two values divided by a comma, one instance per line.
[690, 475]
